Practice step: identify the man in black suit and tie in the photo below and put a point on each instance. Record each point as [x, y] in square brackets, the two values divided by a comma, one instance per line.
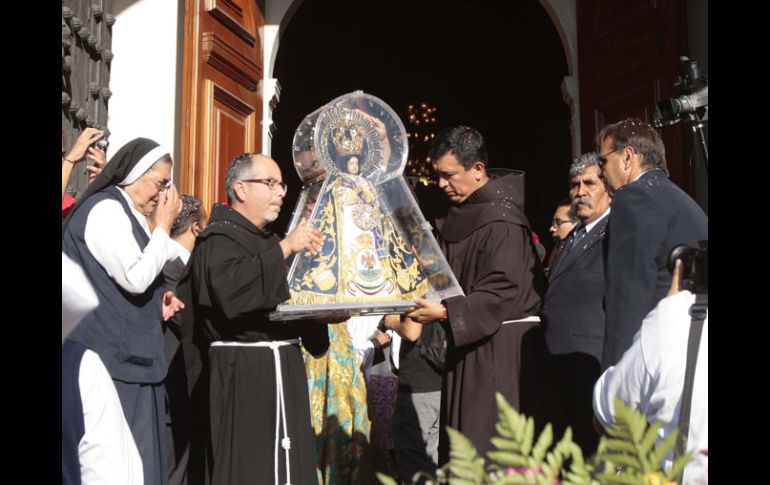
[573, 313]
[650, 216]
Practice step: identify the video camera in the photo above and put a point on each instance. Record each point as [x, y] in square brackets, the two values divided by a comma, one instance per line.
[695, 266]
[694, 92]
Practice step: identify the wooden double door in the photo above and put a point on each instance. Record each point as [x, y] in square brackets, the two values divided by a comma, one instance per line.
[222, 98]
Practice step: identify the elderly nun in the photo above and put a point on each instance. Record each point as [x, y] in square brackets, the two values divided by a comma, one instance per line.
[108, 234]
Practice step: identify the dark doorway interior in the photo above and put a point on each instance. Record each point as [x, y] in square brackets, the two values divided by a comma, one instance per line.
[494, 65]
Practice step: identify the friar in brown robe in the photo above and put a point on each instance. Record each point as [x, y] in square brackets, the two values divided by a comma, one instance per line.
[487, 241]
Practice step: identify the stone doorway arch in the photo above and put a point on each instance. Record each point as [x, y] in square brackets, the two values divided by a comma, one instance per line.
[536, 137]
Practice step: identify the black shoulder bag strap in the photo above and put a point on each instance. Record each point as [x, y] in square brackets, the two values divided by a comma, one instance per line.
[698, 312]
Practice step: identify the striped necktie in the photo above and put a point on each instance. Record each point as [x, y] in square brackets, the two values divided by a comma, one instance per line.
[579, 235]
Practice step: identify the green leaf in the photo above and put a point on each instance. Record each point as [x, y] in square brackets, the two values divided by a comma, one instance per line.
[425, 476]
[602, 445]
[678, 466]
[385, 479]
[462, 481]
[572, 478]
[622, 479]
[619, 429]
[509, 418]
[626, 460]
[460, 446]
[460, 473]
[503, 444]
[628, 418]
[529, 435]
[507, 459]
[541, 480]
[551, 460]
[621, 446]
[649, 437]
[660, 451]
[504, 431]
[464, 462]
[517, 479]
[578, 462]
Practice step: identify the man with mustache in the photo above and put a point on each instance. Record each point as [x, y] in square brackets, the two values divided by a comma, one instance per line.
[245, 374]
[573, 313]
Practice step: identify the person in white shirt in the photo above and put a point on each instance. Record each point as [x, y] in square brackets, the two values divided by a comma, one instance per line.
[107, 234]
[650, 378]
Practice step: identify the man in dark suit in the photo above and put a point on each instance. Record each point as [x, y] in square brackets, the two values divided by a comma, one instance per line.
[650, 216]
[573, 313]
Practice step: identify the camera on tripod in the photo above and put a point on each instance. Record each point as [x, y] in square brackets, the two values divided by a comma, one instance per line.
[694, 92]
[695, 266]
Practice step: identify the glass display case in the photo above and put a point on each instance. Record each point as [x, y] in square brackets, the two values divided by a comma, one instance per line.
[378, 251]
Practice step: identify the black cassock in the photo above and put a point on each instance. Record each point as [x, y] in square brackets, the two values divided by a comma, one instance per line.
[488, 245]
[236, 276]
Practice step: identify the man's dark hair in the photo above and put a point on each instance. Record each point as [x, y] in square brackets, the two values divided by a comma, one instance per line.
[191, 212]
[238, 169]
[463, 142]
[571, 215]
[635, 133]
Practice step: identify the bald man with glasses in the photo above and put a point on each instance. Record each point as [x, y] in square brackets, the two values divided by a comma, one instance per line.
[246, 374]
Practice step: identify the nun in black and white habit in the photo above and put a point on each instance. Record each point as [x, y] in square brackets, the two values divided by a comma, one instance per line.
[108, 235]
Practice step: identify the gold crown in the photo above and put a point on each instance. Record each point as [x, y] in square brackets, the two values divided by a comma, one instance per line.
[348, 138]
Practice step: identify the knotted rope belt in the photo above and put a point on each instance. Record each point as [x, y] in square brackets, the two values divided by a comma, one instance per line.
[280, 408]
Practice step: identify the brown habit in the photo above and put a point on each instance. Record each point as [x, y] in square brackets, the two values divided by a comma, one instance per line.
[488, 245]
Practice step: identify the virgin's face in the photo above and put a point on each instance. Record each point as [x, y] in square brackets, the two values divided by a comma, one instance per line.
[353, 167]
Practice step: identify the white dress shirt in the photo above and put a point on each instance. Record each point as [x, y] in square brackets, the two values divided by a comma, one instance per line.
[591, 225]
[182, 251]
[650, 378]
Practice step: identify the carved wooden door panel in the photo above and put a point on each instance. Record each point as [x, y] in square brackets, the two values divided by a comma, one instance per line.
[86, 55]
[629, 60]
[222, 107]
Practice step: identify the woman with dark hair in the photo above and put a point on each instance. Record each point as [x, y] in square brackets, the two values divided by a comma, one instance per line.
[107, 234]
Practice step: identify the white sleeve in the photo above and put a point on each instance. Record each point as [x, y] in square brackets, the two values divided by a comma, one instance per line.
[365, 354]
[629, 380]
[108, 453]
[109, 237]
[77, 295]
[361, 329]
